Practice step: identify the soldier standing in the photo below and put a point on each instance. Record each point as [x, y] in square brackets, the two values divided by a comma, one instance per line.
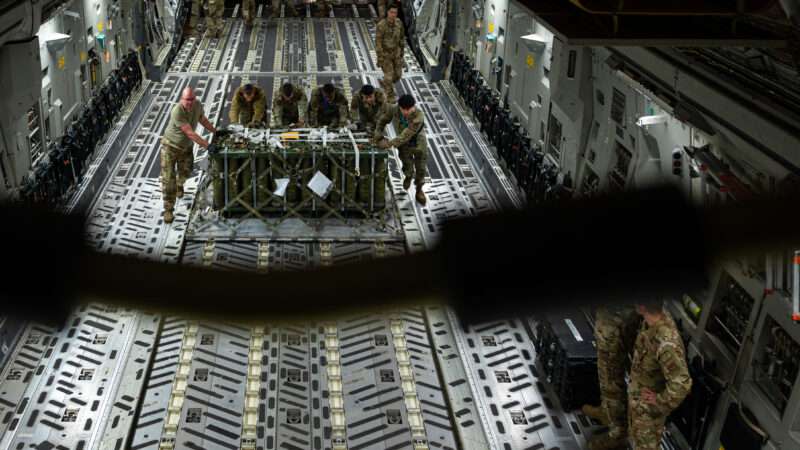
[367, 106]
[194, 16]
[289, 107]
[176, 148]
[248, 106]
[410, 142]
[389, 42]
[215, 9]
[615, 331]
[248, 11]
[290, 9]
[328, 107]
[659, 378]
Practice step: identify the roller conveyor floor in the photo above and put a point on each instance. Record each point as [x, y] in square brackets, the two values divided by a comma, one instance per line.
[412, 379]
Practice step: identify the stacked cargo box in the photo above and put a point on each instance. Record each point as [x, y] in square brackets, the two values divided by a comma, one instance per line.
[566, 352]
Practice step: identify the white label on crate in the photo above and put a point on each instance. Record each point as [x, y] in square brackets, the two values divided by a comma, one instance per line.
[320, 184]
[574, 330]
[281, 185]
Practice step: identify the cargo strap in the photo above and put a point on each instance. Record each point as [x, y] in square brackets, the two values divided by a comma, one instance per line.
[356, 150]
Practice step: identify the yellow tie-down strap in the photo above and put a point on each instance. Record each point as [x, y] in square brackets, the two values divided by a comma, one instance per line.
[290, 136]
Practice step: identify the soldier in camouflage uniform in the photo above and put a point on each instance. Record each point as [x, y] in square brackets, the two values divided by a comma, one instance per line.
[289, 107]
[328, 107]
[324, 8]
[411, 143]
[367, 106]
[389, 42]
[176, 148]
[615, 331]
[248, 106]
[659, 378]
[248, 11]
[214, 20]
[290, 9]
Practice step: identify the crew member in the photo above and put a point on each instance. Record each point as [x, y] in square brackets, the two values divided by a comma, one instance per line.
[411, 144]
[248, 106]
[328, 107]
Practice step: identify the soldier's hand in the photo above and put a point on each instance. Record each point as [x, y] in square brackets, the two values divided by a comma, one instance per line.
[383, 144]
[300, 123]
[649, 396]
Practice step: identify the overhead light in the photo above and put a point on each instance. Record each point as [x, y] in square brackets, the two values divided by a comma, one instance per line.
[534, 42]
[652, 120]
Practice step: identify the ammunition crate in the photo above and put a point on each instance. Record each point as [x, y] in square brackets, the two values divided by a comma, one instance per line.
[247, 164]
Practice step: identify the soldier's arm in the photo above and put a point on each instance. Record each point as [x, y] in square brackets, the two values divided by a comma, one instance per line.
[258, 109]
[672, 360]
[302, 106]
[384, 119]
[189, 132]
[413, 128]
[276, 110]
[234, 113]
[379, 40]
[354, 114]
[312, 110]
[344, 110]
[207, 124]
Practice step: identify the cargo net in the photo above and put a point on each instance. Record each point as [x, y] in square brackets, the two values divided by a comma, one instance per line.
[308, 174]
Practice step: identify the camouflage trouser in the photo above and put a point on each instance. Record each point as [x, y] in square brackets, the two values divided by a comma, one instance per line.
[214, 12]
[172, 158]
[248, 11]
[194, 17]
[382, 5]
[392, 66]
[413, 160]
[645, 427]
[290, 9]
[612, 353]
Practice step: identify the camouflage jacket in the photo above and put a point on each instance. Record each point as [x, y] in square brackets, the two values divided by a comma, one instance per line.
[317, 108]
[361, 112]
[659, 364]
[390, 38]
[256, 107]
[410, 132]
[291, 108]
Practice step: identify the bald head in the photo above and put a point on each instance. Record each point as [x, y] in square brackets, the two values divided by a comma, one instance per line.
[187, 98]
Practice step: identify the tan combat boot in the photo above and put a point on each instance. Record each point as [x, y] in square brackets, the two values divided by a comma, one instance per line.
[179, 192]
[169, 216]
[421, 199]
[606, 442]
[407, 184]
[596, 413]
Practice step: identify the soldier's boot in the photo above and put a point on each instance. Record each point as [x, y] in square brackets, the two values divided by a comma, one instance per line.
[596, 413]
[169, 216]
[407, 183]
[421, 199]
[179, 192]
[606, 442]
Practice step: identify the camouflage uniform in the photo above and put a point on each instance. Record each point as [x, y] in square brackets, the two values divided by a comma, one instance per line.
[382, 5]
[411, 144]
[290, 10]
[244, 112]
[194, 16]
[389, 49]
[659, 364]
[248, 11]
[615, 330]
[288, 111]
[365, 116]
[214, 21]
[176, 152]
[324, 8]
[332, 114]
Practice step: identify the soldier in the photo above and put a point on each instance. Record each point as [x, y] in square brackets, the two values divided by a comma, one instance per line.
[289, 107]
[176, 148]
[659, 378]
[248, 106]
[382, 9]
[615, 331]
[410, 142]
[214, 21]
[248, 12]
[389, 43]
[290, 9]
[323, 8]
[328, 107]
[367, 106]
[194, 16]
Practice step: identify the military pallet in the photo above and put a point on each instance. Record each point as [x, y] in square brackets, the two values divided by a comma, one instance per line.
[315, 173]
